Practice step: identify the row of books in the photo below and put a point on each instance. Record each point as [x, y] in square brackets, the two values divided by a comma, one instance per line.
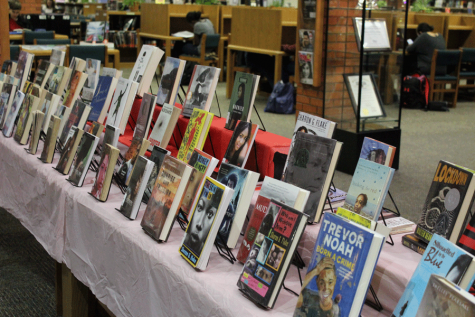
[122, 38]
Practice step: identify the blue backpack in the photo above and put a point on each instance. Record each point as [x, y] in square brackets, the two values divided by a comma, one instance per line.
[281, 100]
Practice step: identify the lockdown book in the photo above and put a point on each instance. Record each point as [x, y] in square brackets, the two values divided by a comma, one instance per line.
[195, 134]
[241, 143]
[242, 99]
[340, 269]
[201, 89]
[368, 189]
[440, 257]
[376, 151]
[271, 254]
[446, 206]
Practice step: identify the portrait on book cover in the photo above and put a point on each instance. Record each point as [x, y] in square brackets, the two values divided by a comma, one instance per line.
[73, 84]
[200, 86]
[240, 144]
[129, 160]
[133, 188]
[101, 174]
[374, 151]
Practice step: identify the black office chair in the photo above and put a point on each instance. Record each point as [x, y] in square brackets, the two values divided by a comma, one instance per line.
[449, 59]
[98, 52]
[14, 52]
[29, 36]
[52, 42]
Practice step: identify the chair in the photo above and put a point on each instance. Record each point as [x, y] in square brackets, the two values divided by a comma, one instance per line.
[29, 36]
[208, 43]
[98, 52]
[438, 80]
[52, 42]
[467, 70]
[14, 52]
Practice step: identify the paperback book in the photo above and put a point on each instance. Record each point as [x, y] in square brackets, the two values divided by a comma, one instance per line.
[50, 140]
[63, 113]
[69, 150]
[164, 126]
[93, 68]
[241, 143]
[102, 183]
[368, 189]
[102, 98]
[25, 118]
[145, 66]
[467, 240]
[157, 157]
[195, 134]
[137, 148]
[306, 67]
[207, 215]
[38, 117]
[244, 183]
[271, 254]
[310, 165]
[412, 242]
[111, 72]
[12, 113]
[242, 99]
[164, 203]
[138, 181]
[447, 204]
[170, 82]
[376, 151]
[144, 117]
[201, 89]
[271, 189]
[83, 158]
[9, 67]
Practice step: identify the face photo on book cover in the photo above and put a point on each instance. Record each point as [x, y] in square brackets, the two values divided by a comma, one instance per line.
[7, 67]
[71, 90]
[167, 82]
[374, 151]
[101, 174]
[129, 160]
[200, 87]
[20, 68]
[251, 262]
[240, 143]
[157, 158]
[202, 218]
[92, 71]
[305, 68]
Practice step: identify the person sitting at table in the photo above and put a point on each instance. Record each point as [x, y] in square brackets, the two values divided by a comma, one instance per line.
[423, 48]
[15, 8]
[48, 7]
[200, 26]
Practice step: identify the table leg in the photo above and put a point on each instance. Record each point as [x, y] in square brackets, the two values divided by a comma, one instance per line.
[278, 69]
[59, 289]
[75, 295]
[229, 74]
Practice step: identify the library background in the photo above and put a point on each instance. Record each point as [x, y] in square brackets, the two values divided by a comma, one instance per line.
[284, 158]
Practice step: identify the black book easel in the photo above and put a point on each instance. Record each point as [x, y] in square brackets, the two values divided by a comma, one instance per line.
[299, 263]
[119, 182]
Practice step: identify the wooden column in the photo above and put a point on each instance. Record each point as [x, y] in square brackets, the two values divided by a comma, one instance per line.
[4, 32]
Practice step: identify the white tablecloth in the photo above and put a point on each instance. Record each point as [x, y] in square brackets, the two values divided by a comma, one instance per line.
[133, 274]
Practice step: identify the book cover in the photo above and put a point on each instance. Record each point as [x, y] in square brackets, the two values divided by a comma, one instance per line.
[440, 257]
[7, 67]
[141, 63]
[93, 68]
[443, 298]
[135, 150]
[207, 214]
[48, 105]
[119, 101]
[111, 136]
[309, 123]
[103, 180]
[6, 98]
[111, 72]
[309, 9]
[30, 104]
[240, 104]
[145, 66]
[138, 181]
[96, 129]
[157, 157]
[11, 115]
[306, 67]
[244, 183]
[447, 203]
[306, 38]
[74, 87]
[35, 131]
[50, 140]
[368, 189]
[164, 126]
[69, 149]
[267, 264]
[170, 81]
[365, 222]
[376, 151]
[23, 68]
[340, 269]
[271, 189]
[203, 165]
[398, 225]
[311, 165]
[163, 204]
[57, 57]
[241, 143]
[95, 31]
[84, 154]
[54, 80]
[42, 73]
[195, 134]
[414, 243]
[467, 239]
[75, 116]
[201, 89]
[63, 113]
[144, 117]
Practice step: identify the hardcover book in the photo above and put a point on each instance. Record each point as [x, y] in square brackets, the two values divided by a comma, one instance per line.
[144, 117]
[93, 68]
[306, 38]
[170, 82]
[58, 79]
[57, 57]
[69, 150]
[356, 218]
[157, 157]
[6, 99]
[23, 68]
[48, 105]
[96, 129]
[111, 72]
[74, 88]
[443, 258]
[241, 143]
[271, 189]
[201, 89]
[25, 118]
[447, 204]
[31, 89]
[399, 225]
[9, 67]
[340, 270]
[242, 99]
[414, 243]
[203, 165]
[122, 100]
[376, 151]
[102, 183]
[164, 203]
[50, 140]
[137, 148]
[164, 126]
[368, 189]
[63, 113]
[83, 158]
[207, 215]
[111, 136]
[467, 240]
[145, 66]
[310, 165]
[102, 98]
[195, 134]
[271, 254]
[138, 181]
[309, 123]
[38, 117]
[12, 113]
[306, 67]
[244, 183]
[42, 73]
[77, 118]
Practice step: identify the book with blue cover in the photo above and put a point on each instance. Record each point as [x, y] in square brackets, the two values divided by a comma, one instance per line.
[368, 189]
[340, 270]
[102, 98]
[376, 151]
[440, 257]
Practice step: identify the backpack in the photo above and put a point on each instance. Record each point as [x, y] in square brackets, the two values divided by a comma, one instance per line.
[281, 100]
[415, 93]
